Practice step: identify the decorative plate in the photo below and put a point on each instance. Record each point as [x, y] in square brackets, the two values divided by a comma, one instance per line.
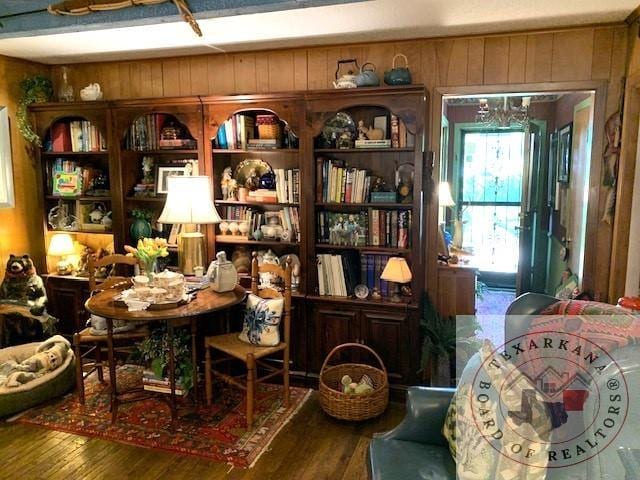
[361, 291]
[338, 124]
[244, 169]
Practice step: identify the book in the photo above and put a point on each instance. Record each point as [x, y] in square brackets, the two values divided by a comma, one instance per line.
[373, 143]
[395, 132]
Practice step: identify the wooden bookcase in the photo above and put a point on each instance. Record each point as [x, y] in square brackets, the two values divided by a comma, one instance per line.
[320, 321]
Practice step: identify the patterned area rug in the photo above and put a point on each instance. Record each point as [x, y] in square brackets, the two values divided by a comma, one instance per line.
[216, 433]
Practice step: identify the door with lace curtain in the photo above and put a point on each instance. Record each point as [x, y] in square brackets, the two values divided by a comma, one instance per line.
[489, 199]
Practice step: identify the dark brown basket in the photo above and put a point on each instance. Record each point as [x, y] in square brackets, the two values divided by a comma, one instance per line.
[348, 406]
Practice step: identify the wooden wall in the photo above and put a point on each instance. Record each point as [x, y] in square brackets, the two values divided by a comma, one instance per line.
[20, 227]
[580, 54]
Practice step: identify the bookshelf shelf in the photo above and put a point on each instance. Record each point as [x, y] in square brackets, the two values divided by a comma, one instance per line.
[230, 239]
[83, 198]
[70, 153]
[146, 199]
[164, 151]
[364, 248]
[255, 150]
[407, 303]
[83, 230]
[256, 204]
[365, 150]
[395, 206]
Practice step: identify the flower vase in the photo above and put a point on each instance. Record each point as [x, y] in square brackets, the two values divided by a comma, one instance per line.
[149, 268]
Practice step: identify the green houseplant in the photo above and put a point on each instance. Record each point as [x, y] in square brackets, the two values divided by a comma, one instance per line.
[154, 352]
[36, 89]
[443, 337]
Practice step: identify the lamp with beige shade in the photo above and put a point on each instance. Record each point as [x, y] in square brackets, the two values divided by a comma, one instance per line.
[190, 203]
[398, 272]
[61, 245]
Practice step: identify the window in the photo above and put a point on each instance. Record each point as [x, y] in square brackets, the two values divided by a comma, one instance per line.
[6, 172]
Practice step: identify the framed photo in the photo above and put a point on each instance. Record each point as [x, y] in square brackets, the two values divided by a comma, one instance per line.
[7, 199]
[564, 153]
[165, 171]
[553, 170]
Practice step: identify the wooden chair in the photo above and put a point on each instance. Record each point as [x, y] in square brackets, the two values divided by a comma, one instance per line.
[85, 365]
[252, 355]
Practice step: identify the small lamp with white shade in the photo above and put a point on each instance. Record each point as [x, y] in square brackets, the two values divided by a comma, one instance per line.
[396, 271]
[61, 245]
[190, 203]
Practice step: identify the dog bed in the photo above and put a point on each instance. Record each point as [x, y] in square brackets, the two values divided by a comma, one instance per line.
[51, 385]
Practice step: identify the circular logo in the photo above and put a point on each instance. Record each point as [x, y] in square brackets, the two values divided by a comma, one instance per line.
[549, 399]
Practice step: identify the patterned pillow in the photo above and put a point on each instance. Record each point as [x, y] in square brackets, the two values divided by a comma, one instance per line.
[261, 320]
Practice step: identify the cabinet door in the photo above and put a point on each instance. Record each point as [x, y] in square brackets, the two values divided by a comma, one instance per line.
[456, 291]
[299, 336]
[387, 333]
[66, 303]
[333, 327]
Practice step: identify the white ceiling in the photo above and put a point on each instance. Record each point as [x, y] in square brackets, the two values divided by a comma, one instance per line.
[375, 20]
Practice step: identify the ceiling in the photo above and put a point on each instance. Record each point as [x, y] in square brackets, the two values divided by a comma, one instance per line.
[232, 26]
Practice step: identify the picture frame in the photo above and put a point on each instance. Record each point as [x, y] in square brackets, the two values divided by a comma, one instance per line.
[564, 153]
[7, 198]
[165, 171]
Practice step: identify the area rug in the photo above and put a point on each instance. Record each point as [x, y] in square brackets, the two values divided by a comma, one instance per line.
[217, 433]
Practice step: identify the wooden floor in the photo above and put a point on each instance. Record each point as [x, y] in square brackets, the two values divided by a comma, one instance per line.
[312, 446]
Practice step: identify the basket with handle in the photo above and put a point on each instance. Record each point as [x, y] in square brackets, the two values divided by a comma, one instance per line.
[346, 406]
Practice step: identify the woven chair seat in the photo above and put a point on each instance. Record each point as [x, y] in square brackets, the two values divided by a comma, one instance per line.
[233, 346]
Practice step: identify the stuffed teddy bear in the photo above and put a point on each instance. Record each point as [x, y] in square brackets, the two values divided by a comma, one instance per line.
[23, 301]
[22, 285]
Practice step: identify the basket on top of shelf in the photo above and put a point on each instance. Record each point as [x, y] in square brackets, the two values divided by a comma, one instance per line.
[347, 406]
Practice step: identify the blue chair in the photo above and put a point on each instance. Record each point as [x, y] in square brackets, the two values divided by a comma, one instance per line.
[416, 447]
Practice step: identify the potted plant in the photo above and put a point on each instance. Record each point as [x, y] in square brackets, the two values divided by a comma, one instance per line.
[153, 352]
[443, 337]
[36, 89]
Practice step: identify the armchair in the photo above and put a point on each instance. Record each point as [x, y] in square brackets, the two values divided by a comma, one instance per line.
[416, 447]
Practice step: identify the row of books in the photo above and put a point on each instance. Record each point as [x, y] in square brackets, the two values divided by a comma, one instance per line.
[146, 133]
[372, 227]
[287, 185]
[76, 136]
[152, 383]
[288, 218]
[338, 274]
[236, 132]
[341, 183]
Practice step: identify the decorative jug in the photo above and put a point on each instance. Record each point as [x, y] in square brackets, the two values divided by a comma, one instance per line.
[91, 92]
[367, 77]
[398, 75]
[222, 274]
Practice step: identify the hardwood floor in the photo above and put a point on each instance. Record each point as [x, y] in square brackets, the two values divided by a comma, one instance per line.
[312, 446]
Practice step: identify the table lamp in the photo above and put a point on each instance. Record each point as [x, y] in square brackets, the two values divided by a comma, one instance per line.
[396, 271]
[190, 203]
[61, 245]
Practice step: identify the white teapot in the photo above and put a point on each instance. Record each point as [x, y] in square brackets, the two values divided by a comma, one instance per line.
[91, 92]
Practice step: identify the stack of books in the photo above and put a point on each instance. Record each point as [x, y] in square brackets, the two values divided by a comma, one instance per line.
[288, 185]
[338, 274]
[152, 383]
[340, 183]
[236, 133]
[76, 136]
[263, 195]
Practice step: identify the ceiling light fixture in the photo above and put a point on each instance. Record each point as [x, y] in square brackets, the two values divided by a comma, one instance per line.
[85, 7]
[513, 112]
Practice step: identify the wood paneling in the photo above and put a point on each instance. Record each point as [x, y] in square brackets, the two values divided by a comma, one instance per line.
[20, 227]
[580, 54]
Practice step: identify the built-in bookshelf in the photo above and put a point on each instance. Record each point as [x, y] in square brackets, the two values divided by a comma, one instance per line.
[256, 164]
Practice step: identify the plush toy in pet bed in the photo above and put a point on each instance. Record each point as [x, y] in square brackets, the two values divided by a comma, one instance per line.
[23, 301]
[53, 382]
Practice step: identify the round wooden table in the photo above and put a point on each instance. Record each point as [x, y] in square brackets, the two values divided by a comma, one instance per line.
[206, 301]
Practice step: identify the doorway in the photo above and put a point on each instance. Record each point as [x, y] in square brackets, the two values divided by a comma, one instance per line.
[517, 165]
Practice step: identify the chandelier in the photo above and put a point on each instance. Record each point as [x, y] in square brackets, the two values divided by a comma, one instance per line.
[514, 112]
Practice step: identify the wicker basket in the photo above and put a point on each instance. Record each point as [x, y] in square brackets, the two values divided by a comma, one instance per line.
[268, 127]
[345, 406]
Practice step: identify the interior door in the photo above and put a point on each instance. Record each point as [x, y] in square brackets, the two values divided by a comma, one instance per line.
[528, 210]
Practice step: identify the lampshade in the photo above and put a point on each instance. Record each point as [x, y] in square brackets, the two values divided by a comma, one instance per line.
[397, 271]
[444, 195]
[189, 201]
[61, 244]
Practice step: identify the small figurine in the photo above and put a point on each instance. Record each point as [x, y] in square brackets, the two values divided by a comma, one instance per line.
[224, 183]
[233, 190]
[362, 131]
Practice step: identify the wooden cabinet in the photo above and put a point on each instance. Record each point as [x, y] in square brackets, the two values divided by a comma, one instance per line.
[456, 290]
[385, 330]
[66, 296]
